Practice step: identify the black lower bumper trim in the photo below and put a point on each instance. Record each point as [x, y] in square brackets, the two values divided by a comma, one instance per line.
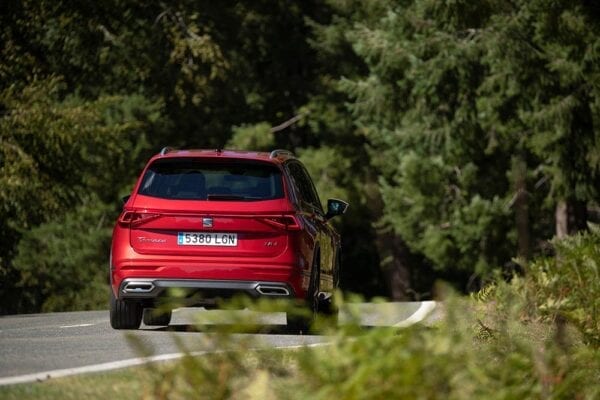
[151, 288]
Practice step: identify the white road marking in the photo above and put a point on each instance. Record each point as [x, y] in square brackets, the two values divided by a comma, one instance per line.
[59, 373]
[132, 362]
[423, 311]
[75, 326]
[425, 308]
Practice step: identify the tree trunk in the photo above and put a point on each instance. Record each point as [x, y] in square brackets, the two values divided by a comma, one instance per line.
[398, 272]
[571, 217]
[521, 208]
[561, 218]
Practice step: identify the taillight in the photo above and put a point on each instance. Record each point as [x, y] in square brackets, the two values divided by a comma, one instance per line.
[287, 222]
[133, 218]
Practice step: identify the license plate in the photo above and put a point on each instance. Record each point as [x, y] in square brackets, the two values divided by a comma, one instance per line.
[207, 239]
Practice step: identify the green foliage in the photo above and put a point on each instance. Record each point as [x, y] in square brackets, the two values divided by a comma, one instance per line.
[252, 137]
[439, 137]
[541, 87]
[331, 173]
[567, 285]
[63, 263]
[445, 109]
[442, 192]
[87, 89]
[56, 152]
[504, 342]
[429, 206]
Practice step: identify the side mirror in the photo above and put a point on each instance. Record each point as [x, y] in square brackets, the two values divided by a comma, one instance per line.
[335, 207]
[124, 199]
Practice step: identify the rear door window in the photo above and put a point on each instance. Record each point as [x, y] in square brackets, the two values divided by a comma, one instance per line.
[212, 180]
[305, 188]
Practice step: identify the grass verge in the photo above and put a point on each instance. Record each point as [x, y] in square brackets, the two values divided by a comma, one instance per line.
[122, 384]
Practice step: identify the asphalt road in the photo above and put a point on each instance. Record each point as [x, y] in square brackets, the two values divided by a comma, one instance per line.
[39, 343]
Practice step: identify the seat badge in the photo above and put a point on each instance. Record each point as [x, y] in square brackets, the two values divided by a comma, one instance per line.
[207, 222]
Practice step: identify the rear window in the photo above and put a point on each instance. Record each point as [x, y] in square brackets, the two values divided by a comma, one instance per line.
[218, 180]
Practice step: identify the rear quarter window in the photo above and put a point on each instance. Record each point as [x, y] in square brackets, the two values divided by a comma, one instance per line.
[212, 180]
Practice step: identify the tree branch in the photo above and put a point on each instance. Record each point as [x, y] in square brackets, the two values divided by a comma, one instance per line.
[287, 123]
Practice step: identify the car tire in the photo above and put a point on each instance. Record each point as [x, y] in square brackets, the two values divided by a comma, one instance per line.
[328, 307]
[154, 317]
[301, 319]
[124, 314]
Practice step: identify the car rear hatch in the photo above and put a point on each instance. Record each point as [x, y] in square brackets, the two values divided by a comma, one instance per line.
[215, 208]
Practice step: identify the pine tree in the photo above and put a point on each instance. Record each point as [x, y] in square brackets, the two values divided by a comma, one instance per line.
[481, 119]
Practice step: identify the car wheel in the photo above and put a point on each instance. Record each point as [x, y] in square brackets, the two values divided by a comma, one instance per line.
[301, 319]
[327, 306]
[154, 317]
[124, 314]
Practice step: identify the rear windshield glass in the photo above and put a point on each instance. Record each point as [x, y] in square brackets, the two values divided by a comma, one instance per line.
[219, 180]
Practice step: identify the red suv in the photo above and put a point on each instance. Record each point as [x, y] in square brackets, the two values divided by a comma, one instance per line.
[216, 223]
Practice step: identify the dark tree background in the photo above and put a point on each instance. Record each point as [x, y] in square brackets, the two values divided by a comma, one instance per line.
[464, 134]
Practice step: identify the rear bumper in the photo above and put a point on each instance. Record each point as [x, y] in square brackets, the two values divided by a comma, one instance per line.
[203, 289]
[208, 277]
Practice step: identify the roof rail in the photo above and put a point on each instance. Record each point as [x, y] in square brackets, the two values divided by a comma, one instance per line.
[281, 152]
[165, 150]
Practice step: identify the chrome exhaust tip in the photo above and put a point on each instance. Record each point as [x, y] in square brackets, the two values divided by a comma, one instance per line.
[138, 287]
[272, 290]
